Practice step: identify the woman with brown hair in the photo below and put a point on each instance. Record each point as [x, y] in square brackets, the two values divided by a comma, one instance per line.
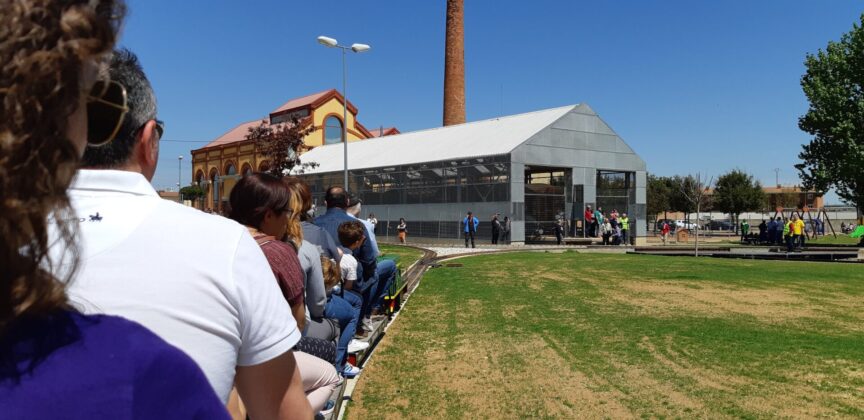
[340, 305]
[53, 359]
[263, 203]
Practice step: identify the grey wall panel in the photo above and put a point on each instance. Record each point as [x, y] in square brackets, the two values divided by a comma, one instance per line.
[517, 182]
[641, 197]
[517, 231]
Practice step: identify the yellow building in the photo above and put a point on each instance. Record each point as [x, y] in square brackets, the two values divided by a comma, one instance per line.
[217, 166]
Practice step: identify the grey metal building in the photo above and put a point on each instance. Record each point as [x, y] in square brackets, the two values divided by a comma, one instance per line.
[536, 168]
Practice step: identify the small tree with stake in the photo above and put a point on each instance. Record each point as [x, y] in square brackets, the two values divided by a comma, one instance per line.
[282, 144]
[695, 191]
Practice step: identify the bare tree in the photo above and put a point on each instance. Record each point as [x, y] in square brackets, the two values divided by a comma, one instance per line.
[695, 190]
[282, 144]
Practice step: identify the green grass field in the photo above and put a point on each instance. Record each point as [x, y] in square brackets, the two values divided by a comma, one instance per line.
[406, 255]
[589, 335]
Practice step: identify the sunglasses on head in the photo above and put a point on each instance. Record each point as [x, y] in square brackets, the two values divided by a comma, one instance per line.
[106, 107]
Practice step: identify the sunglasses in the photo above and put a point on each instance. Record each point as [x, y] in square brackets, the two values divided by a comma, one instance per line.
[106, 107]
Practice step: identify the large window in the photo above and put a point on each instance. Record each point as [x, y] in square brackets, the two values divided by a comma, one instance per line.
[545, 198]
[484, 179]
[332, 130]
[616, 191]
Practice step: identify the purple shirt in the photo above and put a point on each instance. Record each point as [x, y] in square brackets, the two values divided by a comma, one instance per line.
[78, 366]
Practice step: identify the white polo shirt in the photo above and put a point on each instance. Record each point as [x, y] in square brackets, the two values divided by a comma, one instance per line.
[199, 281]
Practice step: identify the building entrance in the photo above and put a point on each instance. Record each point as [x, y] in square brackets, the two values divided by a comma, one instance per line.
[545, 201]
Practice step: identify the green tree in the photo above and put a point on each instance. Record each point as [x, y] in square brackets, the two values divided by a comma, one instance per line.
[193, 192]
[834, 85]
[737, 192]
[659, 198]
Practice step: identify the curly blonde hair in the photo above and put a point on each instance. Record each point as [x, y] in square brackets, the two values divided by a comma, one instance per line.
[43, 47]
[295, 204]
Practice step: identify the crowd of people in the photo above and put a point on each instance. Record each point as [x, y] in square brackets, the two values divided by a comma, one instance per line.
[780, 230]
[99, 295]
[613, 228]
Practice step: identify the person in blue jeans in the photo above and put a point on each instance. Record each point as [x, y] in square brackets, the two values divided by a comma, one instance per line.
[343, 306]
[372, 278]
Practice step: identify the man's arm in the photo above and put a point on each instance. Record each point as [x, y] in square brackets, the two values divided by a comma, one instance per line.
[273, 389]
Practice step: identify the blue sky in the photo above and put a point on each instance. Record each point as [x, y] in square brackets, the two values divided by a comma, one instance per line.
[690, 85]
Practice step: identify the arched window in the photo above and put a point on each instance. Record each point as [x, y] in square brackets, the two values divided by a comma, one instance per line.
[247, 170]
[230, 169]
[332, 130]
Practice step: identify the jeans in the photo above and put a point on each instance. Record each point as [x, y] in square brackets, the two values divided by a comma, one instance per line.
[346, 309]
[469, 235]
[373, 296]
[386, 276]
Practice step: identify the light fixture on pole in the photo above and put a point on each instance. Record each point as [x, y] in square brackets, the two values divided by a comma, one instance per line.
[357, 48]
[179, 173]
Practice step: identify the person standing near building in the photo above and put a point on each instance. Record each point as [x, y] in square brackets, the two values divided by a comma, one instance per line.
[763, 232]
[372, 219]
[505, 230]
[589, 222]
[402, 229]
[496, 228]
[787, 234]
[625, 228]
[559, 231]
[664, 232]
[745, 229]
[470, 224]
[598, 220]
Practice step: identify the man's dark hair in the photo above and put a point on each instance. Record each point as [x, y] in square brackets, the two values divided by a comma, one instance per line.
[336, 197]
[126, 70]
[351, 232]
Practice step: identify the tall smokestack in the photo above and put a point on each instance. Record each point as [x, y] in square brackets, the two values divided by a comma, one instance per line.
[454, 65]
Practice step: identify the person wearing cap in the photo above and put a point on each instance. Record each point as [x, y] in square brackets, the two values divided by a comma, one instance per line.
[471, 223]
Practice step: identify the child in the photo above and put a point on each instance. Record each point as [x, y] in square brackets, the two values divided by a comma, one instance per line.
[351, 236]
[332, 274]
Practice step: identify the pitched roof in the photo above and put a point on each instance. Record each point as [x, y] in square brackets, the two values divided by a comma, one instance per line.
[480, 138]
[314, 100]
[235, 134]
[380, 132]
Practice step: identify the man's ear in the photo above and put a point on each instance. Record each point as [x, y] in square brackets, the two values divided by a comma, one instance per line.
[149, 143]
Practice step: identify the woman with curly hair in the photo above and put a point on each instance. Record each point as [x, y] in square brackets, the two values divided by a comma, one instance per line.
[55, 361]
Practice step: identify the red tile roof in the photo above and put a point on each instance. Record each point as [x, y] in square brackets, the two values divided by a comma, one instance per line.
[314, 100]
[235, 134]
[381, 132]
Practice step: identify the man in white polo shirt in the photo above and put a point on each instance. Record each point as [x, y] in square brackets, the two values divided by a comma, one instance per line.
[199, 281]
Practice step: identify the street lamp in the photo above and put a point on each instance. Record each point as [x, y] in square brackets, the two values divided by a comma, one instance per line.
[357, 48]
[179, 173]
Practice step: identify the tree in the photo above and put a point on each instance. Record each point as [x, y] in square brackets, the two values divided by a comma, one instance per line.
[282, 144]
[695, 191]
[834, 85]
[659, 192]
[192, 192]
[678, 200]
[737, 192]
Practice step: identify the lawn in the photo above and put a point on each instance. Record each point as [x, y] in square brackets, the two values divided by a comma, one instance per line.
[407, 255]
[592, 335]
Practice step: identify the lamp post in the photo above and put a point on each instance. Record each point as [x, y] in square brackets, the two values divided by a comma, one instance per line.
[179, 173]
[357, 48]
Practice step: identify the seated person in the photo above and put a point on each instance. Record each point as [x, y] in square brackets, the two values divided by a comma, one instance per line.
[352, 235]
[262, 203]
[344, 306]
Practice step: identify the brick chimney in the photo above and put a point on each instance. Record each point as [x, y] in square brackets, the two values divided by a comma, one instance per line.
[454, 65]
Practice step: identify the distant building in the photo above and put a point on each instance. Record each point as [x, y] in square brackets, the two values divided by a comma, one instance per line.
[217, 166]
[536, 168]
[169, 195]
[793, 197]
